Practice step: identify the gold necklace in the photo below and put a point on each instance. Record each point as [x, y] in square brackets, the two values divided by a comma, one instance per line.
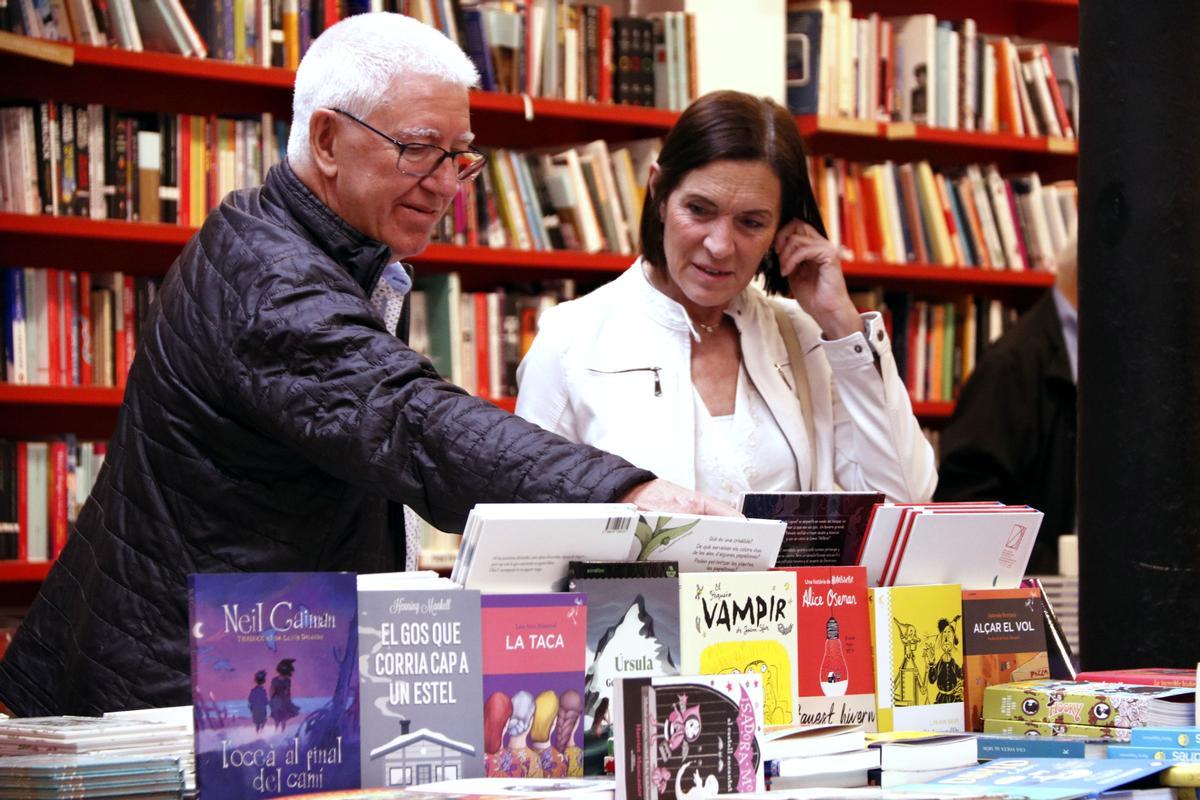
[709, 329]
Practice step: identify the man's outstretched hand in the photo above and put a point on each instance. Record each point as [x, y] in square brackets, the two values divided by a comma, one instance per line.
[660, 495]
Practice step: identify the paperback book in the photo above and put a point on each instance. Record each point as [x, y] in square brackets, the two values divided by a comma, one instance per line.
[823, 528]
[1039, 778]
[918, 657]
[534, 652]
[688, 736]
[274, 682]
[632, 631]
[421, 685]
[1145, 676]
[1095, 733]
[835, 681]
[1004, 640]
[743, 622]
[1102, 705]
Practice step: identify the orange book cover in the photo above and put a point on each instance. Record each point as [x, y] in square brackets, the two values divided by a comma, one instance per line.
[1004, 640]
[971, 213]
[857, 214]
[1008, 109]
[483, 376]
[871, 212]
[54, 325]
[937, 343]
[57, 493]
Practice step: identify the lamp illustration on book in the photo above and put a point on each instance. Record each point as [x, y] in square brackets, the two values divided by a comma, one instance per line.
[834, 672]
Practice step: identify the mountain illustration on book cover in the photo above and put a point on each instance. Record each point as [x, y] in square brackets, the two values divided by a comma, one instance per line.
[421, 681]
[274, 683]
[632, 630]
[534, 648]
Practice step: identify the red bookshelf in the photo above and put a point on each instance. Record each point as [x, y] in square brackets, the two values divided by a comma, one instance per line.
[24, 571]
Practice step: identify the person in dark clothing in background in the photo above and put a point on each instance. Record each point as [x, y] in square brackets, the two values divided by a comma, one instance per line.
[1012, 437]
[274, 418]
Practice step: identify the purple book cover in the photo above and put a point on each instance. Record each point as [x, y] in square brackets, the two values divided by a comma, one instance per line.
[274, 683]
[534, 654]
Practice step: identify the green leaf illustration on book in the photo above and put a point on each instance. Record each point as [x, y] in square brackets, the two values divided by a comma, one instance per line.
[660, 535]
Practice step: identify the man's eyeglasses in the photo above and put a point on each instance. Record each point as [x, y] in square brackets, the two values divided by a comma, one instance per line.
[415, 158]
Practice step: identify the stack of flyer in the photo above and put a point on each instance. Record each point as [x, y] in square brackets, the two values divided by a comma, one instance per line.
[527, 547]
[90, 756]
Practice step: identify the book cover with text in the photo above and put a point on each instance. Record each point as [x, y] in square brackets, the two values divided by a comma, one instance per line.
[823, 528]
[421, 685]
[732, 622]
[835, 680]
[534, 652]
[274, 682]
[917, 646]
[1003, 640]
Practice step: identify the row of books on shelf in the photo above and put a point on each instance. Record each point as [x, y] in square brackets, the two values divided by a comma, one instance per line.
[43, 485]
[93, 161]
[62, 327]
[545, 48]
[971, 216]
[920, 69]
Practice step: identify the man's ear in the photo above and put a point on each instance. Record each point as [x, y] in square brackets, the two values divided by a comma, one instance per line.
[322, 133]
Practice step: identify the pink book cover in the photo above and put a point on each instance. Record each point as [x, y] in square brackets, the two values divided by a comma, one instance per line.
[534, 655]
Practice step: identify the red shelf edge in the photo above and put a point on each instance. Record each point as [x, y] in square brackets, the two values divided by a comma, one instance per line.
[41, 394]
[24, 571]
[931, 410]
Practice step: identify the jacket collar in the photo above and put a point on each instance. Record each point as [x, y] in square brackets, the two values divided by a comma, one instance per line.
[667, 312]
[358, 254]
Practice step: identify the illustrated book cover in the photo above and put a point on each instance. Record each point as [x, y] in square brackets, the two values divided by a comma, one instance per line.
[534, 654]
[731, 622]
[688, 736]
[835, 679]
[632, 631]
[274, 682]
[823, 528]
[1103, 705]
[917, 646]
[420, 684]
[1004, 640]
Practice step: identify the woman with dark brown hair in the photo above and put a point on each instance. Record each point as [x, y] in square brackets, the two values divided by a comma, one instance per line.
[685, 367]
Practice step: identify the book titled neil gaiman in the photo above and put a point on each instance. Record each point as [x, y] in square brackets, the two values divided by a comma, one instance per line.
[274, 683]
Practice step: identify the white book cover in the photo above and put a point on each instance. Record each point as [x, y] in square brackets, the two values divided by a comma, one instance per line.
[708, 544]
[980, 549]
[1004, 219]
[987, 220]
[916, 67]
[883, 528]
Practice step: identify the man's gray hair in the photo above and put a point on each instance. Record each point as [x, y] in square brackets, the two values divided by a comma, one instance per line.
[351, 65]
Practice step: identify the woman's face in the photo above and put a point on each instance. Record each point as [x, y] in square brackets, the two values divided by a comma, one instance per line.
[717, 226]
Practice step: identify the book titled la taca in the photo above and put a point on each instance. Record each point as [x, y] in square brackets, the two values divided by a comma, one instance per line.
[274, 683]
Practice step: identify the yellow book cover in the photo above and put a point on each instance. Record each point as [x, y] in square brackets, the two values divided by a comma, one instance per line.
[732, 622]
[931, 210]
[917, 636]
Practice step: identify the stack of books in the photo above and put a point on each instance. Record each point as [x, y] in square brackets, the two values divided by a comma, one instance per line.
[908, 758]
[817, 756]
[92, 756]
[1095, 710]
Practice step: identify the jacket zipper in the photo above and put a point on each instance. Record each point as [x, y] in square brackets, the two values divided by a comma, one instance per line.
[655, 370]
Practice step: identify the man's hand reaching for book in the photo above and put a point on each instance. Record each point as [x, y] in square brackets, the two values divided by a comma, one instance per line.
[660, 495]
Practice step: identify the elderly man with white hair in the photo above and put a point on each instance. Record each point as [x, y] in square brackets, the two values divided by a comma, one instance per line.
[274, 419]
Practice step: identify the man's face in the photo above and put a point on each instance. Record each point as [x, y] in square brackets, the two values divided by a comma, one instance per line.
[372, 194]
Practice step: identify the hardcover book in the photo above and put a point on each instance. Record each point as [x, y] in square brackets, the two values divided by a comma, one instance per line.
[1004, 640]
[823, 528]
[732, 622]
[632, 631]
[274, 682]
[1103, 705]
[1145, 676]
[835, 680]
[421, 685]
[688, 736]
[1174, 738]
[534, 652]
[918, 653]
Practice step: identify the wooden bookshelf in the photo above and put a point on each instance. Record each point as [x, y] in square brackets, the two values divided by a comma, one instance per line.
[156, 82]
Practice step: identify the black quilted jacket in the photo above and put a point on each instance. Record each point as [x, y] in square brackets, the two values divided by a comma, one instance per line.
[268, 421]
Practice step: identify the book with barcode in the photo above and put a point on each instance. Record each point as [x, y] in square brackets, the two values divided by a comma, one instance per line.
[522, 547]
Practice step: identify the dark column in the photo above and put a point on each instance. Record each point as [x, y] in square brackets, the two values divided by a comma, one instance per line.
[1139, 369]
